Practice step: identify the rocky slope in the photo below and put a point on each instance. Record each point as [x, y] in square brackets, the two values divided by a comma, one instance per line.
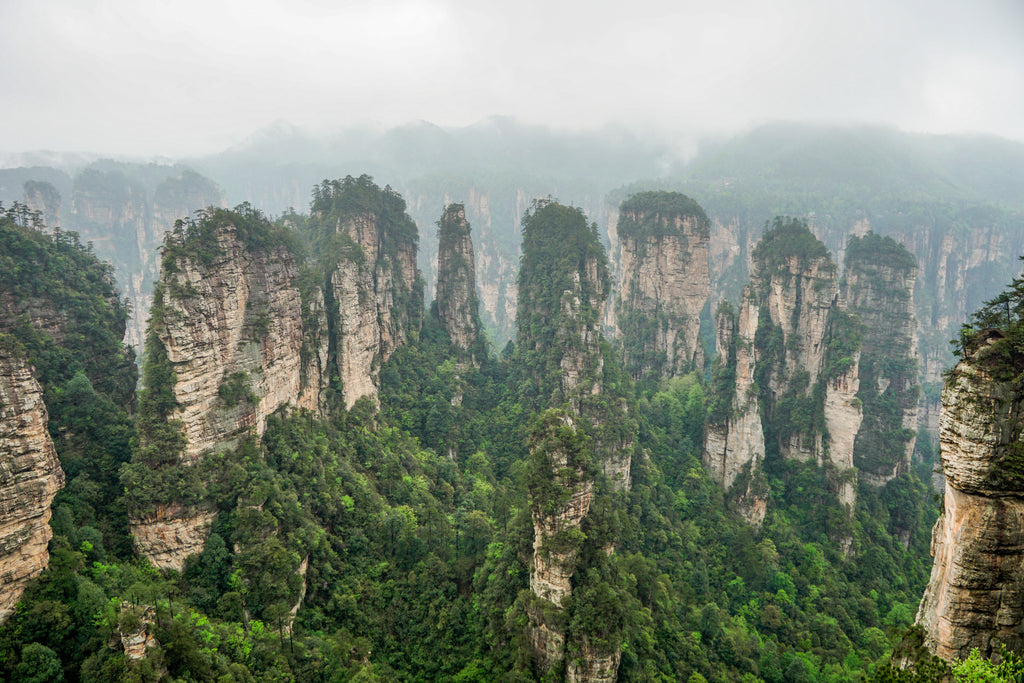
[974, 596]
[456, 295]
[664, 283]
[45, 198]
[30, 477]
[734, 436]
[240, 331]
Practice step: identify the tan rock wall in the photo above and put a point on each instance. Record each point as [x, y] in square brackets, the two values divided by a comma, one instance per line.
[30, 476]
[975, 597]
[239, 314]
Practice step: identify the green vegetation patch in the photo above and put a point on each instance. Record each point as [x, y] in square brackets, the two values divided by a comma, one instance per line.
[653, 214]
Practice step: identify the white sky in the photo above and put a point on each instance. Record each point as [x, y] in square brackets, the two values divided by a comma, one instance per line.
[183, 77]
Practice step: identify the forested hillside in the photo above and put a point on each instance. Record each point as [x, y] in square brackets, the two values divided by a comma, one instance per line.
[468, 514]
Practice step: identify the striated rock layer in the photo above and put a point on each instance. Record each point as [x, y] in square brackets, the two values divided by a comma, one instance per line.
[734, 437]
[233, 325]
[126, 223]
[370, 290]
[169, 534]
[664, 283]
[975, 597]
[233, 331]
[30, 476]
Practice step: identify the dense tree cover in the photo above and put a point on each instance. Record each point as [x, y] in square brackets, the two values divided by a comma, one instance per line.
[786, 239]
[653, 214]
[60, 306]
[561, 252]
[406, 531]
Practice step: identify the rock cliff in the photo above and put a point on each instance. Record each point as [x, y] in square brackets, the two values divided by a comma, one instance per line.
[233, 331]
[374, 295]
[734, 437]
[664, 283]
[975, 597]
[234, 339]
[456, 282]
[563, 286]
[44, 198]
[786, 378]
[125, 211]
[30, 477]
[239, 330]
[878, 286]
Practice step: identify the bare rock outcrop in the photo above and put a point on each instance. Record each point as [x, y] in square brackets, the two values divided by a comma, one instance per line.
[664, 283]
[239, 341]
[233, 331]
[563, 287]
[45, 198]
[878, 286]
[170, 533]
[456, 297]
[975, 597]
[787, 374]
[734, 436]
[126, 221]
[374, 293]
[30, 476]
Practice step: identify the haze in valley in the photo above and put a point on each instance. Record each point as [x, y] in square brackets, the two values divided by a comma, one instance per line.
[189, 78]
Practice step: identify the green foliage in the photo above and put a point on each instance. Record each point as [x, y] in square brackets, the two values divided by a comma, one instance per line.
[995, 334]
[196, 240]
[877, 251]
[789, 239]
[845, 334]
[64, 308]
[653, 214]
[413, 525]
[558, 248]
[977, 669]
[235, 389]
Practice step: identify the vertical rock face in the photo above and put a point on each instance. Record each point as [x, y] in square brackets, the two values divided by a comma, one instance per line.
[30, 477]
[456, 280]
[126, 222]
[664, 283]
[975, 597]
[554, 525]
[44, 198]
[242, 342]
[787, 376]
[376, 295]
[878, 287]
[734, 438]
[563, 286]
[233, 330]
[170, 533]
[809, 350]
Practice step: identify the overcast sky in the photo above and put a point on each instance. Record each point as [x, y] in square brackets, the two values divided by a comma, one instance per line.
[182, 77]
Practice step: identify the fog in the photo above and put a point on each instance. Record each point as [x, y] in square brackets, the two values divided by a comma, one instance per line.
[188, 77]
